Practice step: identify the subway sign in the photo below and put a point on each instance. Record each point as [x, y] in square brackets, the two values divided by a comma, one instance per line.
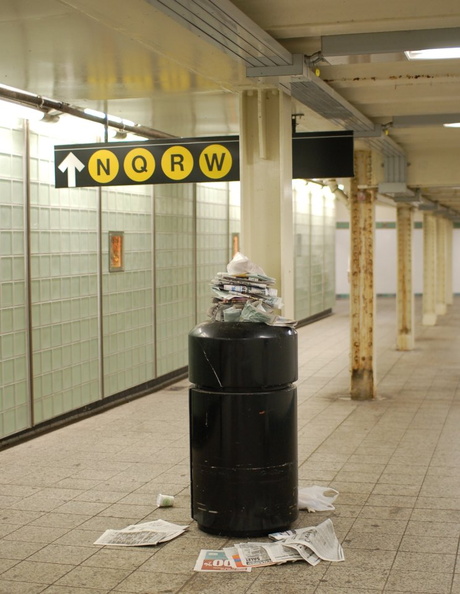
[165, 161]
[185, 160]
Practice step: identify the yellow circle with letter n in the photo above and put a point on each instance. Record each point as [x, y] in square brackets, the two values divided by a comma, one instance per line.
[103, 166]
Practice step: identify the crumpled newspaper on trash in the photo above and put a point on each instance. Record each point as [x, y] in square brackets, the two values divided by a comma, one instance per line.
[317, 498]
[246, 294]
[241, 264]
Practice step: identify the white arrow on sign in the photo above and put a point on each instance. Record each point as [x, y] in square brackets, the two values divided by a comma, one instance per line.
[71, 164]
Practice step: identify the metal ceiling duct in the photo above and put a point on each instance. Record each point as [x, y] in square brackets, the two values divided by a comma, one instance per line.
[221, 23]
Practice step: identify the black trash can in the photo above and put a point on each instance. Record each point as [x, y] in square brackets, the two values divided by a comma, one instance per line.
[243, 427]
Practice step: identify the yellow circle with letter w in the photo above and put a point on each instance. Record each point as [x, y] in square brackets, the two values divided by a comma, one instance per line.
[215, 161]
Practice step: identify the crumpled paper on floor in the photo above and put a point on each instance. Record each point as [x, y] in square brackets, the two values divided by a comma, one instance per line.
[316, 498]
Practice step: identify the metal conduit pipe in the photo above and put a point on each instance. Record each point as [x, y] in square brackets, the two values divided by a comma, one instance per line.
[50, 105]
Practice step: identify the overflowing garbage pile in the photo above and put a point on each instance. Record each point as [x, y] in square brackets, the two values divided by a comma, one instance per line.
[246, 294]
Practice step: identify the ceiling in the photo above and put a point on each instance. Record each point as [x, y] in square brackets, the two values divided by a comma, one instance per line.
[178, 66]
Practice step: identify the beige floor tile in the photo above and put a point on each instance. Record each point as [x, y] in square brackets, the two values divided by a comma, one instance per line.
[19, 517]
[9, 587]
[123, 510]
[59, 520]
[260, 587]
[429, 544]
[64, 554]
[6, 564]
[38, 534]
[370, 541]
[36, 572]
[120, 557]
[71, 590]
[146, 581]
[10, 549]
[87, 577]
[340, 574]
[435, 562]
[434, 529]
[419, 582]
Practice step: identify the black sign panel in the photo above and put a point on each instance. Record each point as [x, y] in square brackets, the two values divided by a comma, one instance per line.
[190, 160]
[322, 155]
[177, 160]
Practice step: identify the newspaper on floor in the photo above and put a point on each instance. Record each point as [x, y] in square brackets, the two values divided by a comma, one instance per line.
[258, 554]
[141, 535]
[320, 539]
[254, 554]
[311, 544]
[226, 559]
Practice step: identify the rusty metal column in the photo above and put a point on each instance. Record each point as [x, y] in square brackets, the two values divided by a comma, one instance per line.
[362, 300]
[449, 254]
[429, 270]
[441, 307]
[405, 295]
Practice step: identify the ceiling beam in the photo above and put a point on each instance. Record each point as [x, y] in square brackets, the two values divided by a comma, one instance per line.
[434, 119]
[389, 42]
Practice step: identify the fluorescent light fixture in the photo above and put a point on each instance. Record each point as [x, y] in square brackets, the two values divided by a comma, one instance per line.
[442, 53]
[122, 136]
[110, 118]
[9, 110]
[452, 125]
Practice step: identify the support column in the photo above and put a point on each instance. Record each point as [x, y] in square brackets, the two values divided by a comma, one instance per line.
[267, 236]
[449, 255]
[362, 298]
[429, 270]
[441, 307]
[405, 295]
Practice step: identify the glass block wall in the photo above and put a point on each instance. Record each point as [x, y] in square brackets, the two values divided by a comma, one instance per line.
[314, 251]
[174, 272]
[64, 289]
[14, 398]
[212, 238]
[127, 292]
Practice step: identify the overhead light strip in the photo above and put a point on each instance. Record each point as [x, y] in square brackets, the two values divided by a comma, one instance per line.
[440, 53]
[389, 42]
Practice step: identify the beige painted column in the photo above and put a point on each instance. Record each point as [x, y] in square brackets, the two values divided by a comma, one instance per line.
[362, 292]
[267, 236]
[449, 255]
[405, 295]
[441, 307]
[429, 270]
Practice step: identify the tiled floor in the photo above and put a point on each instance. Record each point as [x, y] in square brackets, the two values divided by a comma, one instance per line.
[394, 460]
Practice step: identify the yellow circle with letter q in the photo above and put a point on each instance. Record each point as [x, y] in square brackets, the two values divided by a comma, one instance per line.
[215, 161]
[177, 162]
[139, 164]
[103, 166]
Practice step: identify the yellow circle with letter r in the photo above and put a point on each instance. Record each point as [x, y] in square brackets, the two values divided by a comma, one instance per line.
[139, 164]
[177, 162]
[103, 166]
[215, 161]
